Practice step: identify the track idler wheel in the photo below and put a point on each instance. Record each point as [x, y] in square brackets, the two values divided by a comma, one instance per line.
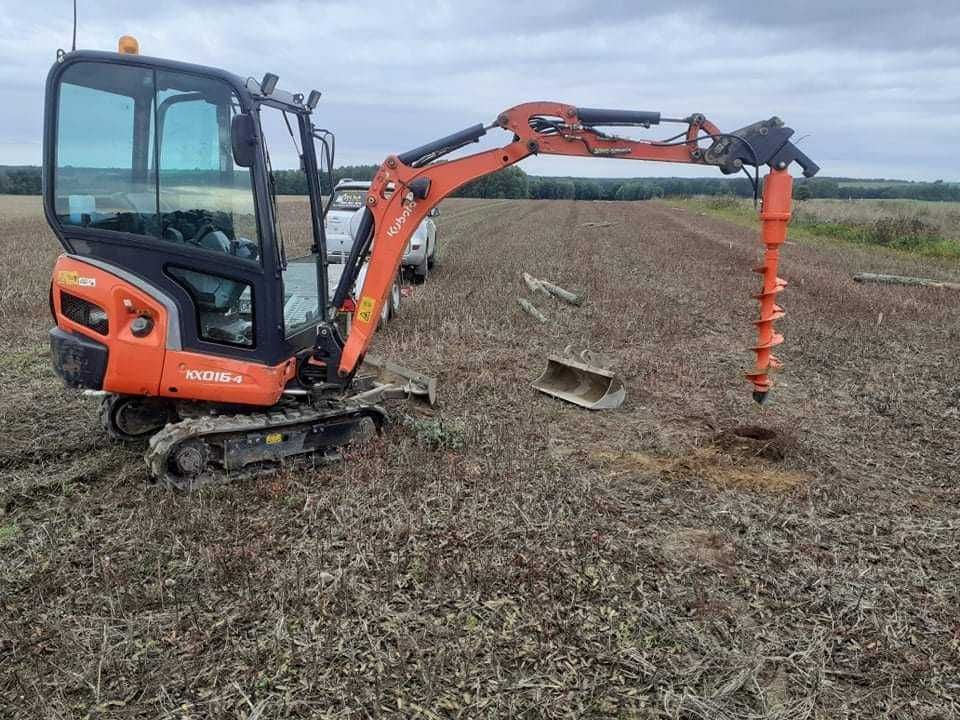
[130, 418]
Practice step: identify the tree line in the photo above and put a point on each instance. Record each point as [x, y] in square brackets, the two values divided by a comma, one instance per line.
[512, 182]
[20, 180]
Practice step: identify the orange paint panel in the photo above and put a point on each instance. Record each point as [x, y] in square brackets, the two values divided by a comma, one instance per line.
[144, 366]
[135, 364]
[194, 376]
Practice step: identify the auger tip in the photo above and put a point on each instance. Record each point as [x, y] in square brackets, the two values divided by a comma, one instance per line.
[759, 396]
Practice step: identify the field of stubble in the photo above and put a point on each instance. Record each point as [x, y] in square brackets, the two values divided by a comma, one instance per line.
[689, 555]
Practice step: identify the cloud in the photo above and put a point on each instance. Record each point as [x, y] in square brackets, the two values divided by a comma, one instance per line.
[873, 85]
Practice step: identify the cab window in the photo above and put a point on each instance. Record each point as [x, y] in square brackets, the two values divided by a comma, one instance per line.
[104, 141]
[205, 201]
[224, 307]
[148, 152]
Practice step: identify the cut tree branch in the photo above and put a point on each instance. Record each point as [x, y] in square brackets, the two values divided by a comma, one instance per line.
[904, 280]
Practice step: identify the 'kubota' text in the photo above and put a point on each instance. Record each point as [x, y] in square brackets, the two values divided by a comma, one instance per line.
[402, 218]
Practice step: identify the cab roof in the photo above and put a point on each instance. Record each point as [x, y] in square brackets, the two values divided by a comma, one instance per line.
[249, 90]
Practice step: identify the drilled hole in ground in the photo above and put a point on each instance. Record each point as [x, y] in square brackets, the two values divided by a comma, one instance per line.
[754, 432]
[756, 441]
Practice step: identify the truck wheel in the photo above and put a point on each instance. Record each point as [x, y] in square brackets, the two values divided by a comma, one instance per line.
[420, 273]
[435, 254]
[394, 298]
[392, 306]
[385, 315]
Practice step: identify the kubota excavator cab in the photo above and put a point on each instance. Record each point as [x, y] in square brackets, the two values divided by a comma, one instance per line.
[174, 281]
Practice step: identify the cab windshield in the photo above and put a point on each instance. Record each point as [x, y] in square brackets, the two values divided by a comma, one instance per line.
[147, 152]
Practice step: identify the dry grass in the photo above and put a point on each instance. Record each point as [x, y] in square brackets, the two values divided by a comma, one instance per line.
[929, 229]
[944, 217]
[687, 556]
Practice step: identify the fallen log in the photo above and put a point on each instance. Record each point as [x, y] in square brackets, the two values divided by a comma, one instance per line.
[904, 280]
[564, 295]
[534, 285]
[529, 308]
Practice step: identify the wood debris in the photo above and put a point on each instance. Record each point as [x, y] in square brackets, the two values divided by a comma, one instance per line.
[904, 280]
[529, 308]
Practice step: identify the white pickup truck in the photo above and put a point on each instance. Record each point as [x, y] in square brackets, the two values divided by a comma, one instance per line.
[349, 197]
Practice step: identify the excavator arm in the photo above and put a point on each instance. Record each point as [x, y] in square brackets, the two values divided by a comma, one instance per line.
[409, 185]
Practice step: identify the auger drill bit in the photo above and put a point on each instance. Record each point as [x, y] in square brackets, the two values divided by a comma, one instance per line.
[774, 216]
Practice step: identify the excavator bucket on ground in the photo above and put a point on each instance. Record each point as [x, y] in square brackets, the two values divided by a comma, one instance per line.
[581, 383]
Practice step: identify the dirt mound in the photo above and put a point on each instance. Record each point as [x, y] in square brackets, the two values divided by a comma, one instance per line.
[718, 469]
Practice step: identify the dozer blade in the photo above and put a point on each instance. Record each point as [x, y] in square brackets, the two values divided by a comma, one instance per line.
[395, 381]
[581, 384]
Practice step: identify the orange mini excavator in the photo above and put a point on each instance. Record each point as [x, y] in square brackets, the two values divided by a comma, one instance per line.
[174, 297]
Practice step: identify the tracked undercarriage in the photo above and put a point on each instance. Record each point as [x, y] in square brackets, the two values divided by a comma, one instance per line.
[193, 444]
[203, 450]
[190, 445]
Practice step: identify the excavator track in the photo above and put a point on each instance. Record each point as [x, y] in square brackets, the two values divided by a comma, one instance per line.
[201, 451]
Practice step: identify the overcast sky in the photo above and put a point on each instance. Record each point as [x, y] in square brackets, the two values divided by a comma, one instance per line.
[873, 86]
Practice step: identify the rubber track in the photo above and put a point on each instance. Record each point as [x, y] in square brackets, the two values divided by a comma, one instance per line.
[166, 440]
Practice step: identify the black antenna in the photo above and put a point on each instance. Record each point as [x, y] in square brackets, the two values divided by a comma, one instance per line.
[73, 49]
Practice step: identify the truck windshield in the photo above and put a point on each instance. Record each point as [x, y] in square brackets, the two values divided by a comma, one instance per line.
[148, 152]
[349, 199]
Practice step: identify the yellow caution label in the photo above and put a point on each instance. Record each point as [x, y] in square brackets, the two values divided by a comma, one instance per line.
[68, 277]
[274, 438]
[73, 279]
[365, 309]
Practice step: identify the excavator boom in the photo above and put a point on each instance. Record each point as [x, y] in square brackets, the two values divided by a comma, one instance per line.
[409, 185]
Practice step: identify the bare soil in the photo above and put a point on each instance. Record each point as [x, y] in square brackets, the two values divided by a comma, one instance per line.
[690, 555]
